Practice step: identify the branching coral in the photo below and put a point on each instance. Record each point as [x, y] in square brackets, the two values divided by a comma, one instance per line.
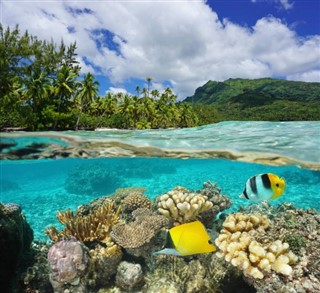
[237, 241]
[140, 231]
[182, 205]
[96, 226]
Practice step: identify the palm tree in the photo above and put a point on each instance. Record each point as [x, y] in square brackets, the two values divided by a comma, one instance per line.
[138, 91]
[64, 87]
[88, 91]
[149, 79]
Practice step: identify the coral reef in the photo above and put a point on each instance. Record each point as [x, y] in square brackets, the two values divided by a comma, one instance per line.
[103, 264]
[304, 226]
[220, 202]
[34, 276]
[136, 235]
[203, 273]
[92, 179]
[15, 240]
[135, 200]
[69, 262]
[129, 276]
[96, 226]
[181, 205]
[238, 245]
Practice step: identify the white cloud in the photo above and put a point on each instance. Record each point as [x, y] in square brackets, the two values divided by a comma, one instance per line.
[284, 4]
[116, 90]
[311, 76]
[181, 42]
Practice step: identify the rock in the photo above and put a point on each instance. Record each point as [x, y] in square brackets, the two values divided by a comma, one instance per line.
[129, 276]
[68, 260]
[15, 239]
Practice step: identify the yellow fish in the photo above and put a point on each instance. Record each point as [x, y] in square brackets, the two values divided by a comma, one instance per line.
[264, 187]
[188, 239]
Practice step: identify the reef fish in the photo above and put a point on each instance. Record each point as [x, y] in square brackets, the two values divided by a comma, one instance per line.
[187, 239]
[264, 187]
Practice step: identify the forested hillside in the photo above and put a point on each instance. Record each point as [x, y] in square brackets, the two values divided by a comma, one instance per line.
[258, 99]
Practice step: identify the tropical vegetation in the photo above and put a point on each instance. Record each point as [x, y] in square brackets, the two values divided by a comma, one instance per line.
[41, 88]
[257, 99]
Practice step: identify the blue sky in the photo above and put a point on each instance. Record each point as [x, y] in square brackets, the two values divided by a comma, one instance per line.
[179, 43]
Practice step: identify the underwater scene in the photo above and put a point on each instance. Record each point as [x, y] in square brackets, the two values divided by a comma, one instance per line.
[229, 207]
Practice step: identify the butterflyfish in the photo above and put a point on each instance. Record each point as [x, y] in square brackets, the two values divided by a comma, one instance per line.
[187, 239]
[264, 187]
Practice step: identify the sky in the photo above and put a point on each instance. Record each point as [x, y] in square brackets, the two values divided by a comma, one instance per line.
[178, 43]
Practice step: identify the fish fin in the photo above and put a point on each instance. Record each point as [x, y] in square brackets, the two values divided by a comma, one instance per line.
[170, 251]
[242, 195]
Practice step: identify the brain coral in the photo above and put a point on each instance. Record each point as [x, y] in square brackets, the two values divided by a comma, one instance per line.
[135, 200]
[182, 205]
[238, 245]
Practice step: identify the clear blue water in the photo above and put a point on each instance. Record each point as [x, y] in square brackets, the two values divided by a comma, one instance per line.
[44, 186]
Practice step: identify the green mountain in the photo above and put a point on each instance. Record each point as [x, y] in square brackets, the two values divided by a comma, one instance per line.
[257, 99]
[256, 91]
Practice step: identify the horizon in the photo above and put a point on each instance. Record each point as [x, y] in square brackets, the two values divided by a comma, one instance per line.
[179, 44]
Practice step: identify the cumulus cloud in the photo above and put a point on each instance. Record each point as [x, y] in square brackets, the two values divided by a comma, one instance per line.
[184, 43]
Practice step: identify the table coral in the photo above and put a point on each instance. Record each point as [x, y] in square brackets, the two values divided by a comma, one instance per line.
[182, 205]
[135, 234]
[238, 245]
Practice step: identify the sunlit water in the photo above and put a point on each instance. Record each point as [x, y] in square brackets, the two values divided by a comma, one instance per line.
[152, 159]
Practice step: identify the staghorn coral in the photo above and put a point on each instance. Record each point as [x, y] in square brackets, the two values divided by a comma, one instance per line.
[237, 241]
[95, 226]
[182, 205]
[140, 232]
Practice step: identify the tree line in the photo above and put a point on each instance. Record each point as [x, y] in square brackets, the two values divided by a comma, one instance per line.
[41, 88]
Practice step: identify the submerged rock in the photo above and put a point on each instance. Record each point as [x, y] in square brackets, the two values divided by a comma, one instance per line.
[129, 276]
[15, 240]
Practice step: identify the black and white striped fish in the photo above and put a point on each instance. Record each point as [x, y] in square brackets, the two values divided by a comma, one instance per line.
[264, 187]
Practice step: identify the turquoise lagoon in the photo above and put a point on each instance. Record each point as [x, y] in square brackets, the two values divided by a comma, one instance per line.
[49, 171]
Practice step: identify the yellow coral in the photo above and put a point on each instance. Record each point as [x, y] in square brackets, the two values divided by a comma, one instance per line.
[182, 205]
[238, 246]
[93, 227]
